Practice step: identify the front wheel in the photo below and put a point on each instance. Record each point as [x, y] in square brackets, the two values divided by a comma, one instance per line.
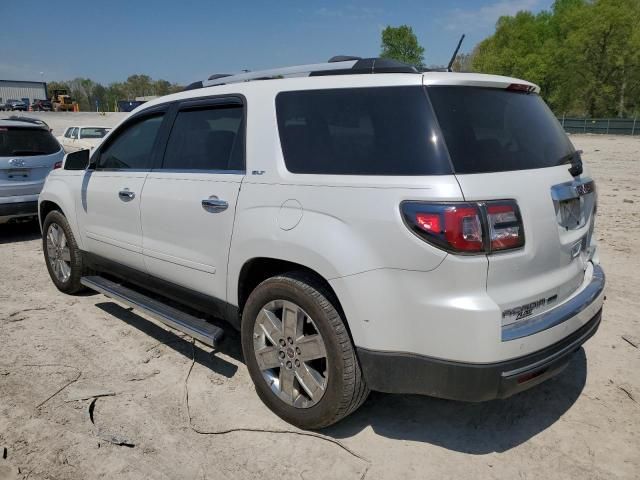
[299, 353]
[61, 253]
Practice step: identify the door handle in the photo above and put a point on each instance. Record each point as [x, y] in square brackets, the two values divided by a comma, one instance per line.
[126, 195]
[214, 205]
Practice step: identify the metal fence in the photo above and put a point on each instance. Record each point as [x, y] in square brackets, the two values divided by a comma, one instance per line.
[614, 126]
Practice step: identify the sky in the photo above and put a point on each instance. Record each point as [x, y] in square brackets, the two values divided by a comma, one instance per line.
[188, 40]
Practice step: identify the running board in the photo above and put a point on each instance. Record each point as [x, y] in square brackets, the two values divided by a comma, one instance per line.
[195, 327]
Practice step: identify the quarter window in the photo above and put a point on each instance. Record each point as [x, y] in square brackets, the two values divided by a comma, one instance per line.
[206, 139]
[360, 131]
[131, 148]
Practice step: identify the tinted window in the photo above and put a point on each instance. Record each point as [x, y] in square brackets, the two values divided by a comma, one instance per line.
[360, 131]
[495, 130]
[206, 139]
[93, 132]
[131, 148]
[26, 141]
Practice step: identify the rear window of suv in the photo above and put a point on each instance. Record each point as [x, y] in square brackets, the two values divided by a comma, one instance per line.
[360, 131]
[26, 141]
[497, 130]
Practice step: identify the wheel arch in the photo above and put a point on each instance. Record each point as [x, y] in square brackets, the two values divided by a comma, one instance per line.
[56, 195]
[46, 207]
[255, 270]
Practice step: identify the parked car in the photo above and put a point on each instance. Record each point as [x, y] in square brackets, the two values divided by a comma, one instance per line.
[41, 106]
[82, 137]
[365, 227]
[18, 105]
[13, 105]
[28, 152]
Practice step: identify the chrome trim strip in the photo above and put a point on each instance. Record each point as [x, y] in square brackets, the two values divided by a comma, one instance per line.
[573, 189]
[186, 170]
[561, 313]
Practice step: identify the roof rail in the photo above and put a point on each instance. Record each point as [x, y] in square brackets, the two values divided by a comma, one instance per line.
[343, 58]
[35, 121]
[334, 67]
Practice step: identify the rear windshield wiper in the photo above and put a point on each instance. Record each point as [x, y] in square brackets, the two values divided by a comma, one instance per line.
[575, 159]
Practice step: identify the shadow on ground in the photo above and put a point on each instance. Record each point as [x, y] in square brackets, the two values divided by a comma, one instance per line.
[475, 428]
[230, 346]
[19, 231]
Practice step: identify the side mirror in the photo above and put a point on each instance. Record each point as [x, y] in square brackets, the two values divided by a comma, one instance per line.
[77, 160]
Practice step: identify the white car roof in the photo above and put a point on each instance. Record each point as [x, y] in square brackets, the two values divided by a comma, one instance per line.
[273, 86]
[17, 123]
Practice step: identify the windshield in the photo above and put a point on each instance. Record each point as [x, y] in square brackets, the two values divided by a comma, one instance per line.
[93, 132]
[497, 130]
[26, 141]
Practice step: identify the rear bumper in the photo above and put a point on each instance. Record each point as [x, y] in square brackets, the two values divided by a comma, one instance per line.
[415, 374]
[18, 209]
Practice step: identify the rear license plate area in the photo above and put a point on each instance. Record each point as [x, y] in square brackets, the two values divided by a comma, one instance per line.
[18, 173]
[570, 213]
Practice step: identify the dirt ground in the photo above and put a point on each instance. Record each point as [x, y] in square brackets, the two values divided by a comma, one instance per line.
[89, 389]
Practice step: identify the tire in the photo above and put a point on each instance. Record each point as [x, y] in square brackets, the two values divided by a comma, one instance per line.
[344, 388]
[66, 251]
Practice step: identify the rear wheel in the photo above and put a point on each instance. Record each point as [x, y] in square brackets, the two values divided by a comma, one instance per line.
[299, 353]
[61, 253]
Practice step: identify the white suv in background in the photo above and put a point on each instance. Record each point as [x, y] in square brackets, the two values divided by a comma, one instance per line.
[28, 152]
[364, 225]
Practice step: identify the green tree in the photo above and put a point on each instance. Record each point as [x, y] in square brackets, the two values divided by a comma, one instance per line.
[584, 54]
[400, 43]
[463, 62]
[140, 86]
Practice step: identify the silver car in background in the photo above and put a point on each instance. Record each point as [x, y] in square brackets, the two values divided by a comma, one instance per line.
[28, 152]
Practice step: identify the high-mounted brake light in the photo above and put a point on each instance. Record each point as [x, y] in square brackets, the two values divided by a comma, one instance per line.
[466, 227]
[521, 87]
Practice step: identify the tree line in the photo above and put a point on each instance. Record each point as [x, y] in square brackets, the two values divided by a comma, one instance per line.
[584, 54]
[92, 95]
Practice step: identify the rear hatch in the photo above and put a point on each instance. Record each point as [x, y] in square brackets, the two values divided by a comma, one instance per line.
[506, 144]
[27, 155]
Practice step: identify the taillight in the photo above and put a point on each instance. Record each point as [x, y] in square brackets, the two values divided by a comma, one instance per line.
[505, 225]
[466, 227]
[57, 165]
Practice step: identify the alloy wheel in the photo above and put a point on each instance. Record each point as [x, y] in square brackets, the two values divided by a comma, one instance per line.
[58, 252]
[290, 353]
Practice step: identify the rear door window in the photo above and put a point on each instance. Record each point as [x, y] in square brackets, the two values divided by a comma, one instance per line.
[360, 131]
[26, 141]
[497, 130]
[209, 138]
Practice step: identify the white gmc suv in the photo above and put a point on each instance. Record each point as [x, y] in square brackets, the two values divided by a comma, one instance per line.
[364, 225]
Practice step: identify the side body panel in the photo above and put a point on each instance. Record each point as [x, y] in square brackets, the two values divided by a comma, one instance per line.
[183, 242]
[337, 225]
[63, 188]
[110, 224]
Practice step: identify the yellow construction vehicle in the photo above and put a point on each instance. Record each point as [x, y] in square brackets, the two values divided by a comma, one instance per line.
[61, 101]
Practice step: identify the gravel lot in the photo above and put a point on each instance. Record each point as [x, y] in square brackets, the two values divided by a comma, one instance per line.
[89, 389]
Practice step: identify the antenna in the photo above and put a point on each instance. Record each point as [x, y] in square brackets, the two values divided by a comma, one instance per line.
[455, 54]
